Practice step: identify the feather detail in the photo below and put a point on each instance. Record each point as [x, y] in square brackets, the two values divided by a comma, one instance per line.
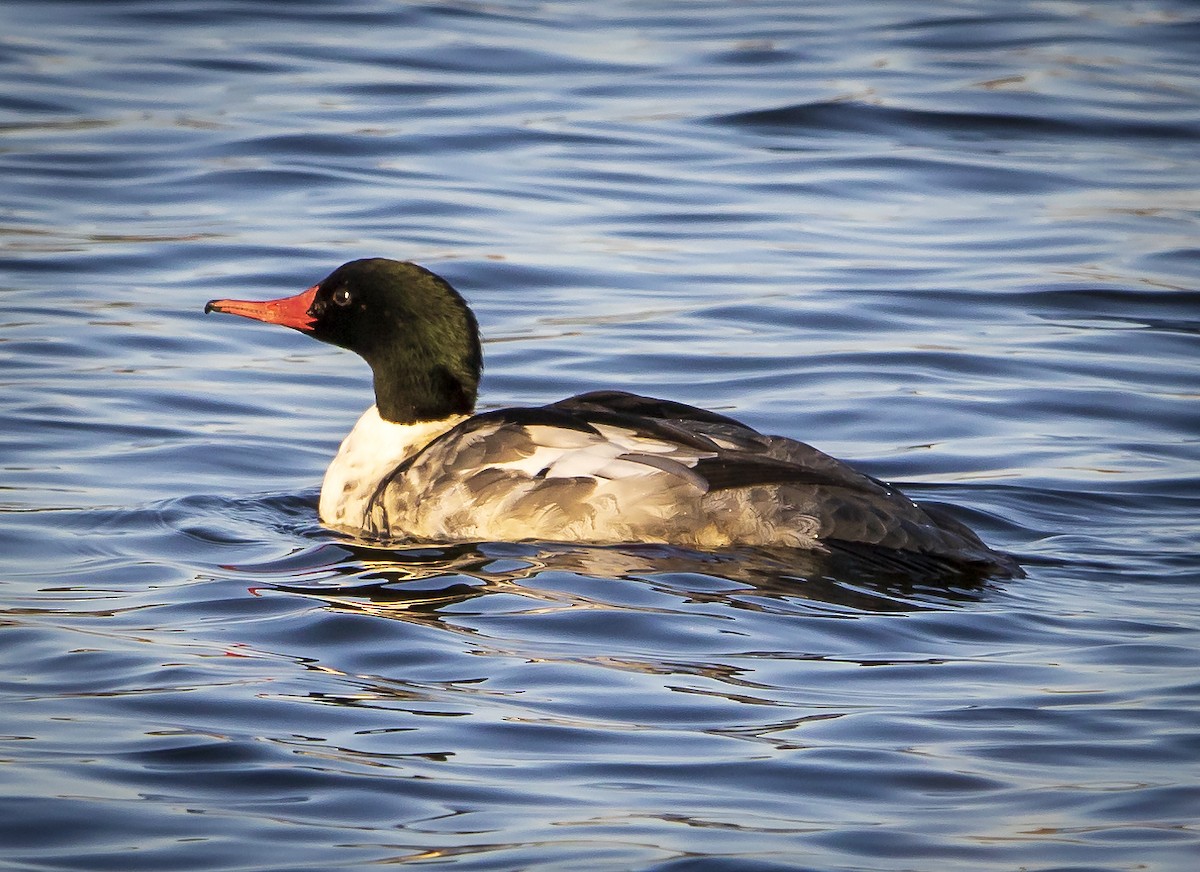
[612, 468]
[373, 448]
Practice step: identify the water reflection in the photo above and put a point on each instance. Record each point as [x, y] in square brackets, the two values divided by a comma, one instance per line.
[422, 581]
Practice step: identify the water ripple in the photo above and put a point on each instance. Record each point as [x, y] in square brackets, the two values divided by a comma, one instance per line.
[953, 244]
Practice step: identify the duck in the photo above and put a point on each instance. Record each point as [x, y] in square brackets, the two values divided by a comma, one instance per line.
[605, 467]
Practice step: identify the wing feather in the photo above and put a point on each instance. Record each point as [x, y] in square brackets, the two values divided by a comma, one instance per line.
[614, 467]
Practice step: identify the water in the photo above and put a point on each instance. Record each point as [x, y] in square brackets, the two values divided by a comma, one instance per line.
[953, 242]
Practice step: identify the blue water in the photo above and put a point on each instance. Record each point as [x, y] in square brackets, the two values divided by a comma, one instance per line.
[953, 242]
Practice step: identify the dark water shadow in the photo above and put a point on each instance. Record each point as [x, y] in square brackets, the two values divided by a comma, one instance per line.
[414, 580]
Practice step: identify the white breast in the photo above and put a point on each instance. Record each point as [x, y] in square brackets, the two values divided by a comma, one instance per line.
[371, 451]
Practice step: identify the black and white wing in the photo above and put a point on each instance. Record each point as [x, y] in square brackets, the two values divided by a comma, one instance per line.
[612, 467]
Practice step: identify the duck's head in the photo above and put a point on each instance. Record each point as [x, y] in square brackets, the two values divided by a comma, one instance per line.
[416, 332]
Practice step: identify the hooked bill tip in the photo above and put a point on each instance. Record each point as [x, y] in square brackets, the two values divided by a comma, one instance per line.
[288, 311]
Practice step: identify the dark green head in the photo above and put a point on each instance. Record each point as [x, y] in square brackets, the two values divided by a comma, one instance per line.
[416, 332]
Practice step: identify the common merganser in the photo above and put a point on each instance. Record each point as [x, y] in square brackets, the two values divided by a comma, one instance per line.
[606, 467]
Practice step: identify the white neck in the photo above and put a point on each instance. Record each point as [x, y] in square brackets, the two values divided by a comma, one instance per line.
[373, 449]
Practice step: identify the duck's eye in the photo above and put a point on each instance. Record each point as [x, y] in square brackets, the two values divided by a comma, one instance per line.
[341, 297]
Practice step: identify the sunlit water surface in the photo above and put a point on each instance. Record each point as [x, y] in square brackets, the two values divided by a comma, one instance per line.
[953, 242]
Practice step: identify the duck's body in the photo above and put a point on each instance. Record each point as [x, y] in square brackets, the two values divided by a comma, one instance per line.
[603, 468]
[369, 454]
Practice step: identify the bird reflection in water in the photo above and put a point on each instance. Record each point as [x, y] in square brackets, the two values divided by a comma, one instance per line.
[413, 581]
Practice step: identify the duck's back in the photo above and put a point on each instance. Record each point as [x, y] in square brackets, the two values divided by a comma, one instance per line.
[611, 467]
